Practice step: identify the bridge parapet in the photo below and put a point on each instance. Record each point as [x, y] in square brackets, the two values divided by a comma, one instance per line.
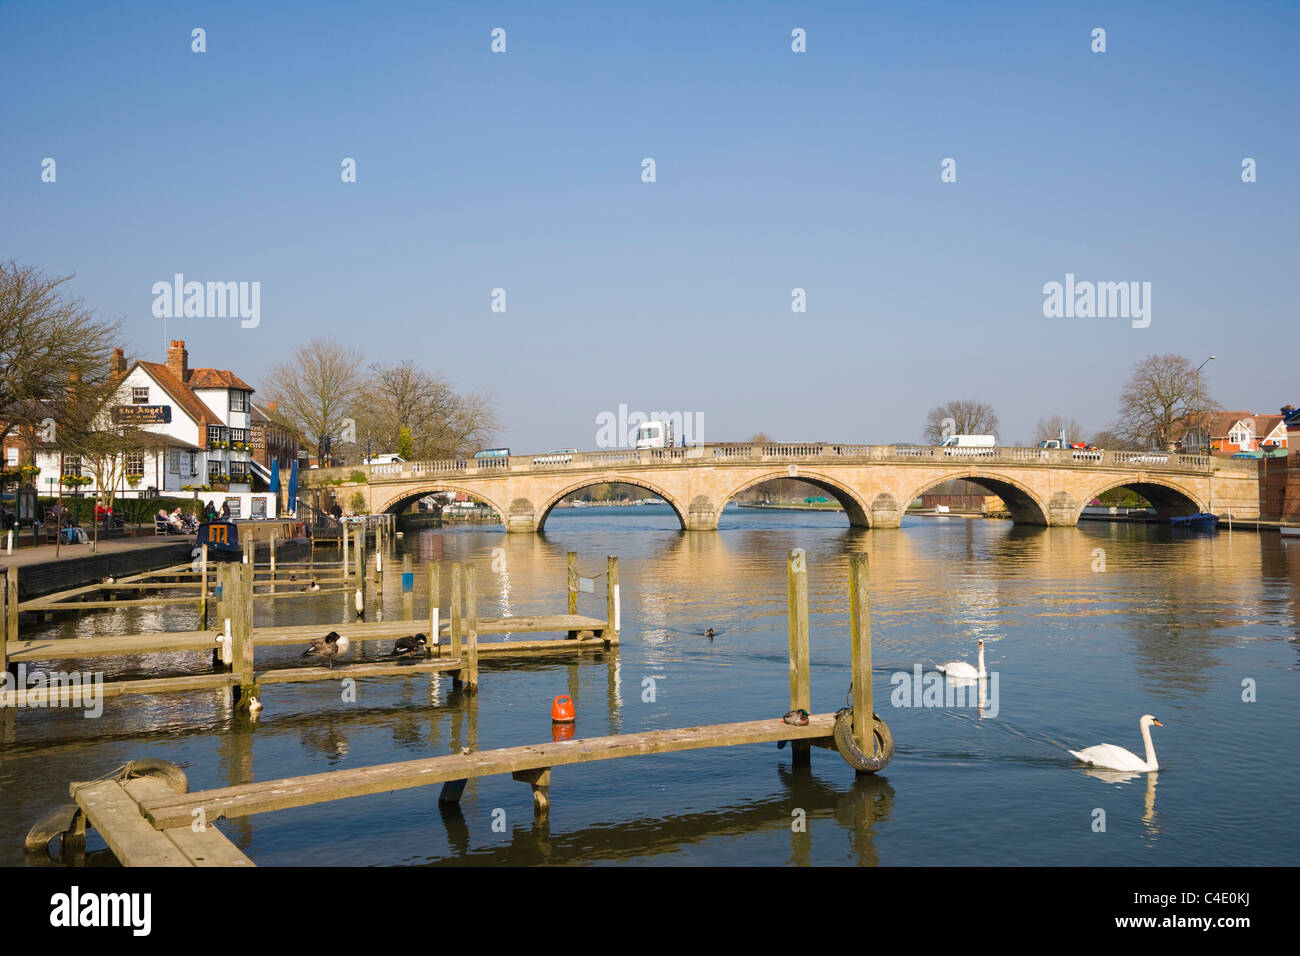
[698, 455]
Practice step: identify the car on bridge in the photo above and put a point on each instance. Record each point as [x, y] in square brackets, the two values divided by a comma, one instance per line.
[493, 453]
[560, 456]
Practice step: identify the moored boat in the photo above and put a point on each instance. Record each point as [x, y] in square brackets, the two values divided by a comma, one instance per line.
[1201, 521]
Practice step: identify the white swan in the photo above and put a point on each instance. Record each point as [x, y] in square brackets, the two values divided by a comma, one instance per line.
[1111, 757]
[961, 670]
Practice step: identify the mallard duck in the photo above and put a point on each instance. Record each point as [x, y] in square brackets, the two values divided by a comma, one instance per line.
[708, 632]
[310, 587]
[329, 647]
[408, 646]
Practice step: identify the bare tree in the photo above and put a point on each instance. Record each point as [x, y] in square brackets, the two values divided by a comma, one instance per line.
[1110, 440]
[1159, 401]
[412, 410]
[1053, 425]
[45, 335]
[317, 389]
[960, 418]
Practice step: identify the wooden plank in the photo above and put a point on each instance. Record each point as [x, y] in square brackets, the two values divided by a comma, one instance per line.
[290, 675]
[116, 815]
[43, 605]
[281, 794]
[64, 648]
[122, 688]
[206, 847]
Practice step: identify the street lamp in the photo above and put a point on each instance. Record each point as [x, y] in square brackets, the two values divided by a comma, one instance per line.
[1200, 422]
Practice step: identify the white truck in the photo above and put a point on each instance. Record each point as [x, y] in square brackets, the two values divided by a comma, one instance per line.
[972, 445]
[654, 435]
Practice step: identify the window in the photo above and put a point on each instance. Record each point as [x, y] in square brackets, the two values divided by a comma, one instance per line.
[214, 469]
[238, 469]
[239, 434]
[173, 462]
[134, 463]
[12, 455]
[238, 401]
[214, 433]
[72, 465]
[140, 396]
[193, 464]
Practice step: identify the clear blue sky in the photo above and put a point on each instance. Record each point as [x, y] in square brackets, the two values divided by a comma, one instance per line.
[775, 170]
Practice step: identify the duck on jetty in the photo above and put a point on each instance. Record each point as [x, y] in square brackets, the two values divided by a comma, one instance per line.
[410, 646]
[329, 647]
[310, 587]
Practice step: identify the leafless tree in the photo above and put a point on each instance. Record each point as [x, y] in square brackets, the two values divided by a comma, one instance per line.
[46, 335]
[964, 417]
[317, 389]
[1053, 425]
[1159, 401]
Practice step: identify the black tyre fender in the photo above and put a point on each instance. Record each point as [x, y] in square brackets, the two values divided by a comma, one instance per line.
[849, 750]
[163, 769]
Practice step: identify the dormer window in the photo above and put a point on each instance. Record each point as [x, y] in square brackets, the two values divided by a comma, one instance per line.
[140, 396]
[238, 401]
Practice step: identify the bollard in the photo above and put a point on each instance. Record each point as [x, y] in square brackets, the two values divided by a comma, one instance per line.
[408, 591]
[613, 602]
[432, 647]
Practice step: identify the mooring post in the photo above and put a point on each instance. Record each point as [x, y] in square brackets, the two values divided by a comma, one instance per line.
[343, 534]
[572, 569]
[408, 590]
[800, 692]
[471, 630]
[241, 625]
[11, 603]
[203, 586]
[456, 650]
[540, 779]
[432, 647]
[860, 624]
[273, 540]
[4, 622]
[613, 602]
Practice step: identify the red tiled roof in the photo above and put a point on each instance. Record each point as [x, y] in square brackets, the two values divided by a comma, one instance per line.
[180, 393]
[216, 378]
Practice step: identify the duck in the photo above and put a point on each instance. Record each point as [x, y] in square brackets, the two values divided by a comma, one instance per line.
[708, 632]
[409, 646]
[254, 707]
[310, 587]
[1110, 757]
[109, 580]
[329, 647]
[292, 576]
[961, 670]
[360, 603]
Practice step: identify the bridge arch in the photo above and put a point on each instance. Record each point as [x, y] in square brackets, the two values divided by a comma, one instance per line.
[1168, 497]
[1026, 506]
[397, 502]
[858, 510]
[545, 511]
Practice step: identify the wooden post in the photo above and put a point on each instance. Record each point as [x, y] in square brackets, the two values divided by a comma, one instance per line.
[273, 539]
[800, 692]
[864, 734]
[432, 647]
[471, 630]
[343, 534]
[11, 604]
[203, 583]
[613, 602]
[456, 651]
[408, 590]
[359, 560]
[573, 582]
[240, 579]
[4, 622]
[540, 779]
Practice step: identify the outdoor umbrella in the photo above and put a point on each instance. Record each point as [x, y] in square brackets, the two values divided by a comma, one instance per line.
[293, 488]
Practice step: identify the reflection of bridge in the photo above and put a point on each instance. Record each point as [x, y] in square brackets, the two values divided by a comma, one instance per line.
[874, 483]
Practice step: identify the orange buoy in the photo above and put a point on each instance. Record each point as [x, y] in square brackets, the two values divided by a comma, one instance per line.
[562, 710]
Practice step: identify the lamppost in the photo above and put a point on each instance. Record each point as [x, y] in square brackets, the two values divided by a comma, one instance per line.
[1200, 421]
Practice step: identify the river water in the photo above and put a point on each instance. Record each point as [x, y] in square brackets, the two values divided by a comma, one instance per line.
[1085, 628]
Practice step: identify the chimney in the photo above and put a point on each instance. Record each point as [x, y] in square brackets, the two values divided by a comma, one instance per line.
[273, 407]
[117, 364]
[178, 360]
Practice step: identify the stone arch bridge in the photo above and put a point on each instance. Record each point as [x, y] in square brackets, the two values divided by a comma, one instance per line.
[874, 483]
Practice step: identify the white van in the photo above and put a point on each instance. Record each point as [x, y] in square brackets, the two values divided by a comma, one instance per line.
[970, 445]
[654, 435]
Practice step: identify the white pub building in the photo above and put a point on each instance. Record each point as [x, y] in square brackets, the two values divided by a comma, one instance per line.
[202, 419]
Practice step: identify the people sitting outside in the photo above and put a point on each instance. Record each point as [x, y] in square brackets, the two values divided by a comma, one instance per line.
[209, 512]
[225, 511]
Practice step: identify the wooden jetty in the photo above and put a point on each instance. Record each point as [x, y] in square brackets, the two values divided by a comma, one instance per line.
[162, 811]
[233, 644]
